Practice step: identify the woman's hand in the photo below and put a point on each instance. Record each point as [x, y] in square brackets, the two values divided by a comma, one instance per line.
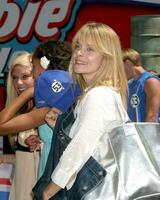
[52, 116]
[34, 142]
[50, 191]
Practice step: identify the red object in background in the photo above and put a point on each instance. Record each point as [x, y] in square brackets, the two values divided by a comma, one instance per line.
[118, 16]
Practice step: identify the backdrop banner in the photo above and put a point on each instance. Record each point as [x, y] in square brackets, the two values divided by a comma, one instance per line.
[144, 2]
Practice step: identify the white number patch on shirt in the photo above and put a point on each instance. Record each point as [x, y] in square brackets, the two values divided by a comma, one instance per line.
[134, 101]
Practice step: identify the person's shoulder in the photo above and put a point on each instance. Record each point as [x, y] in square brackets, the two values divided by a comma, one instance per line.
[153, 80]
[99, 97]
[101, 90]
[151, 77]
[152, 83]
[147, 77]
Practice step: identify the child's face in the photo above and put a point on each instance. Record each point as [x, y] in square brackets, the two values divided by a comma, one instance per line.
[37, 69]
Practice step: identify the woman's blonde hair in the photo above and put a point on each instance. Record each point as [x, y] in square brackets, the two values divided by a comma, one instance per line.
[132, 55]
[22, 59]
[104, 39]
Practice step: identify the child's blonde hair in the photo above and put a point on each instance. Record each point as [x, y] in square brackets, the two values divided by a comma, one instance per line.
[21, 59]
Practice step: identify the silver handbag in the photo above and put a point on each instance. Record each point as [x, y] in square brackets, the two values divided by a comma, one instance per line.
[136, 150]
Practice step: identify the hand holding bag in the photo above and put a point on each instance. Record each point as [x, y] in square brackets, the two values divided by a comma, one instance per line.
[136, 151]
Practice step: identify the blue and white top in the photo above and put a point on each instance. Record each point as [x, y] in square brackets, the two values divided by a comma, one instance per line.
[137, 97]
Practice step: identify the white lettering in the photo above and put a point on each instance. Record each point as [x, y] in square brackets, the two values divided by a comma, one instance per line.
[4, 53]
[26, 25]
[9, 18]
[46, 23]
[44, 18]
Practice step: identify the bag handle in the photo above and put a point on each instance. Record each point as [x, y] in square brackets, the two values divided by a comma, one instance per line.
[121, 110]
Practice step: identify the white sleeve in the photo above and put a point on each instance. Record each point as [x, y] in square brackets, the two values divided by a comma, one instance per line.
[97, 112]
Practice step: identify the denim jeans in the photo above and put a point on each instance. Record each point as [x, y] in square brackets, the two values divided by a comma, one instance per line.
[91, 174]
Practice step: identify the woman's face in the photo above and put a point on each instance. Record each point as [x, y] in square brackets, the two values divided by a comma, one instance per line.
[22, 78]
[87, 61]
[37, 69]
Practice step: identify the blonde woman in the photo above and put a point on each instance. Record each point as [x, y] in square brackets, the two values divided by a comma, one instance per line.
[97, 65]
[20, 78]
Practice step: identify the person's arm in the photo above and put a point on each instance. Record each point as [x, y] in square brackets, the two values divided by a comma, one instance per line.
[23, 122]
[50, 191]
[10, 111]
[10, 123]
[152, 90]
[51, 116]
